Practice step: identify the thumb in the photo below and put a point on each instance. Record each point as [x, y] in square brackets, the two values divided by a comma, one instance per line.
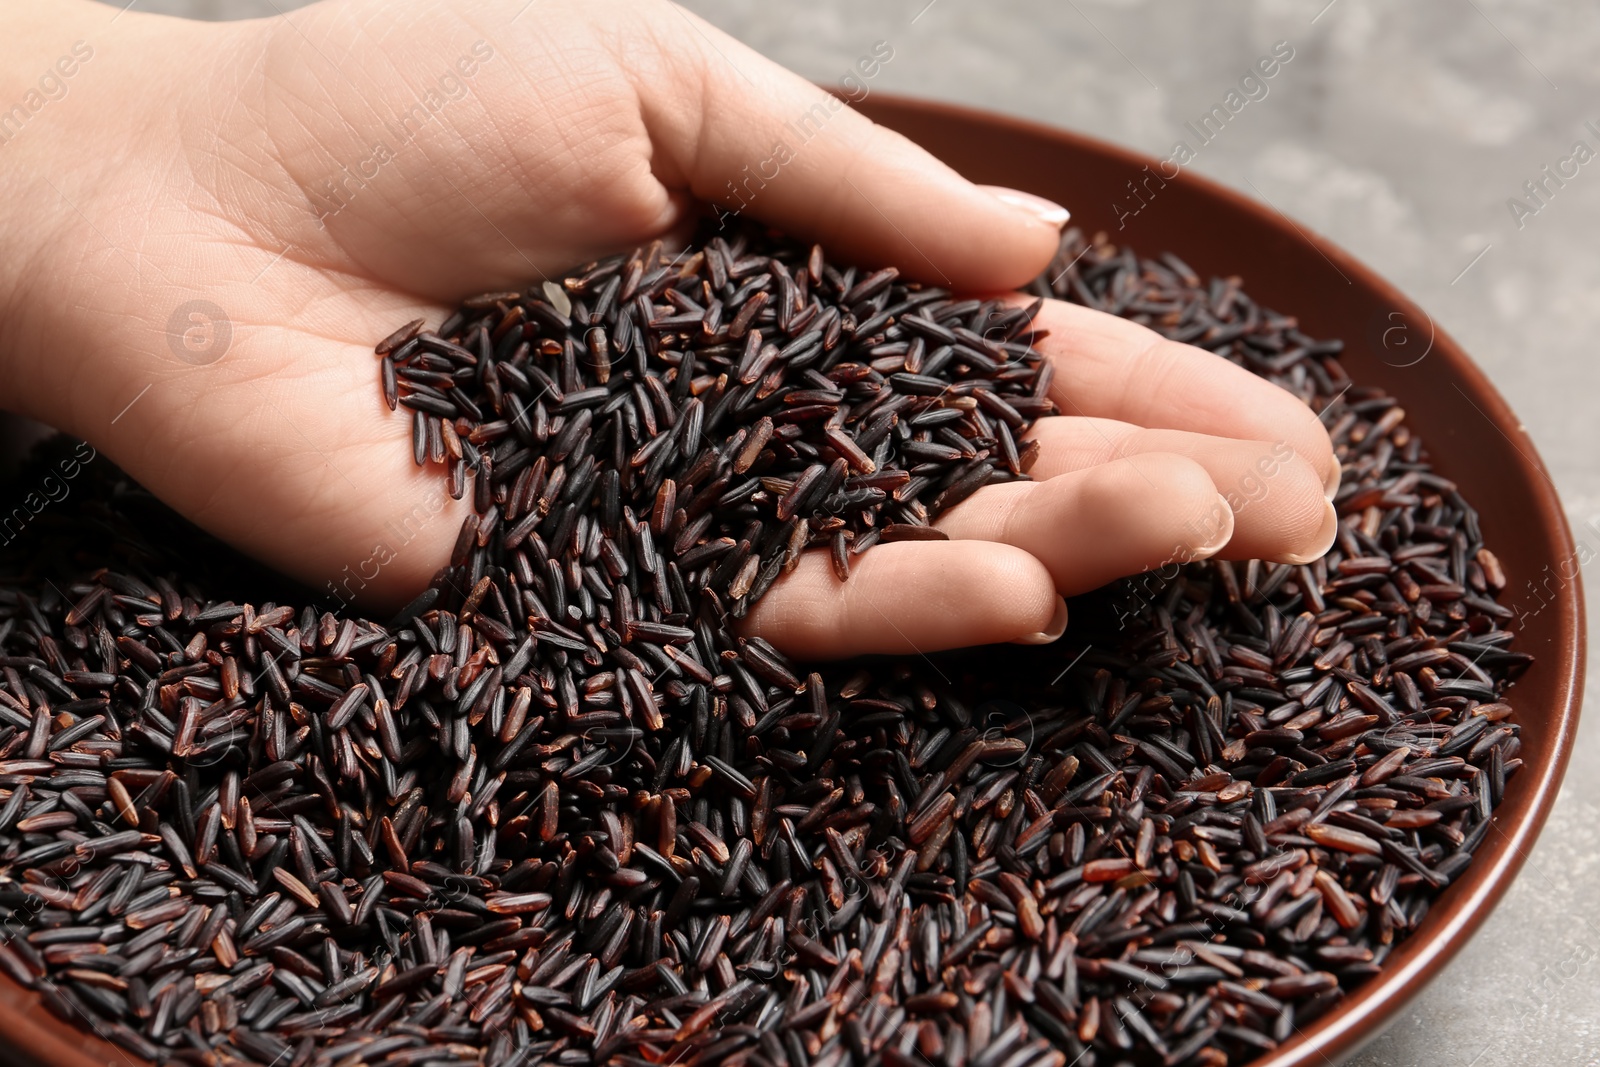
[762, 141]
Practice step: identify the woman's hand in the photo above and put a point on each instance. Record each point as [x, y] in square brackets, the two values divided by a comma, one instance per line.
[210, 225]
[1164, 454]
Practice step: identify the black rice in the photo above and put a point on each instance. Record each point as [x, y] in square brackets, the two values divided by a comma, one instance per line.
[560, 810]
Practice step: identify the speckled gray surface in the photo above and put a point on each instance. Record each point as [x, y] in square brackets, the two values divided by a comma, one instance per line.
[1400, 131]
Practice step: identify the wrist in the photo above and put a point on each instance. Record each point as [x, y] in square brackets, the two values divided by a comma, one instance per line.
[78, 84]
[44, 57]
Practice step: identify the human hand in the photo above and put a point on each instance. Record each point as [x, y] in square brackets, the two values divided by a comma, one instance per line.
[1163, 454]
[296, 174]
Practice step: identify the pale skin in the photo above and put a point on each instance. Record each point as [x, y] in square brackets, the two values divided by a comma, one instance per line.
[187, 161]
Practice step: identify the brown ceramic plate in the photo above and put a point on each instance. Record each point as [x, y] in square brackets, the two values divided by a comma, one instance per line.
[1472, 434]
[1475, 438]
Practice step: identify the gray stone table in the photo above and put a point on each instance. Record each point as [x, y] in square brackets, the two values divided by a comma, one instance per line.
[1400, 131]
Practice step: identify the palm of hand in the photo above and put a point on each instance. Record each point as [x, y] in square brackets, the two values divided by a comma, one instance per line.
[314, 181]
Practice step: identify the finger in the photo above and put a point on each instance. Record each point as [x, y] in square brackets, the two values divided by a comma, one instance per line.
[1093, 526]
[584, 130]
[764, 141]
[1276, 497]
[1111, 368]
[910, 596]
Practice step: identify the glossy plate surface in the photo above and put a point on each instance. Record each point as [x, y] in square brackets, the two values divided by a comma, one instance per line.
[1474, 437]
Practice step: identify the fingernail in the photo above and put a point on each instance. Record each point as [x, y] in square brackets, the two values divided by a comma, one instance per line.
[1058, 626]
[1325, 537]
[1046, 211]
[1330, 484]
[1224, 524]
